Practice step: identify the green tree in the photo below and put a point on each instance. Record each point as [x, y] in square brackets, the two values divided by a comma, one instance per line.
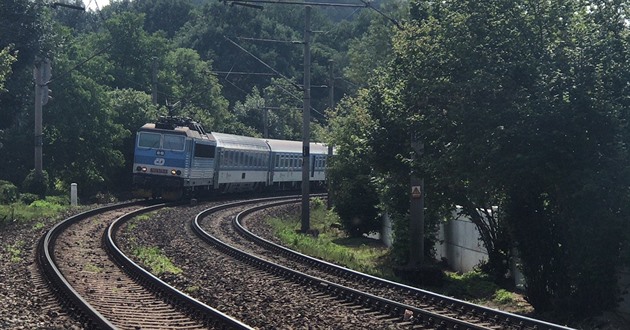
[285, 117]
[371, 49]
[250, 114]
[350, 171]
[165, 15]
[82, 141]
[6, 59]
[25, 27]
[520, 105]
[131, 50]
[189, 81]
[131, 109]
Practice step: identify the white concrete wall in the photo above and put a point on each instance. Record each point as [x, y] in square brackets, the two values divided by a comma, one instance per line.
[460, 244]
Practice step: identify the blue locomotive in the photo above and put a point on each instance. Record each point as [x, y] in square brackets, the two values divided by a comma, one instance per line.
[175, 157]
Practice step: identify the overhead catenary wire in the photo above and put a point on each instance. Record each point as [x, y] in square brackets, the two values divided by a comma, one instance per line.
[261, 62]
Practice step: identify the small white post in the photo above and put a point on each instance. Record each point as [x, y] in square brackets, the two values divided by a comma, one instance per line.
[73, 194]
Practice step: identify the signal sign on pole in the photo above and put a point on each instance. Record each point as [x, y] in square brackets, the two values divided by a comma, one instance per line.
[416, 192]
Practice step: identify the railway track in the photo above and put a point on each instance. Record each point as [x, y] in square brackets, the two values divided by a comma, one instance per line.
[406, 305]
[263, 285]
[77, 257]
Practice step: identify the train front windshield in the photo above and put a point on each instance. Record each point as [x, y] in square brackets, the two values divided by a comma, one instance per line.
[161, 141]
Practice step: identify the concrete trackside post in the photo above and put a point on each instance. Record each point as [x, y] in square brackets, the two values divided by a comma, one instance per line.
[73, 194]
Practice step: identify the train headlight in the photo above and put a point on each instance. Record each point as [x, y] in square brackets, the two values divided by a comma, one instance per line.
[179, 172]
[176, 172]
[141, 169]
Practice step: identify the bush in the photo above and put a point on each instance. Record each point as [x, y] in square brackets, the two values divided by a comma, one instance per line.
[59, 199]
[8, 192]
[47, 205]
[356, 204]
[28, 198]
[36, 184]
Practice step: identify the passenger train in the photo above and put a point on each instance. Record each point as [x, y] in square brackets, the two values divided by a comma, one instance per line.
[175, 157]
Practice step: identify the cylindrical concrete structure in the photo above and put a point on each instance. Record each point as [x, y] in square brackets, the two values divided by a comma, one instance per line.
[73, 194]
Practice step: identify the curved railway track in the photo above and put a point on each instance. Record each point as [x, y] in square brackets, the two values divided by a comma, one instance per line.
[404, 304]
[377, 293]
[240, 274]
[77, 258]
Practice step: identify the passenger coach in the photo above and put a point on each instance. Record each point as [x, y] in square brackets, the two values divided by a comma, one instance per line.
[176, 156]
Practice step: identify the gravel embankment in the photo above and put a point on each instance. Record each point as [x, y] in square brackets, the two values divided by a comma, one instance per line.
[26, 303]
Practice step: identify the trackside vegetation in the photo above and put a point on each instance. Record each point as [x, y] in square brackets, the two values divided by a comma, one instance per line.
[153, 258]
[27, 207]
[522, 108]
[370, 256]
[330, 243]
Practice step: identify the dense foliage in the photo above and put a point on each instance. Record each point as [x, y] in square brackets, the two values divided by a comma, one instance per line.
[522, 107]
[201, 59]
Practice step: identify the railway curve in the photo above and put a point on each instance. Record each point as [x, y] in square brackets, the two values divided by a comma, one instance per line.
[112, 295]
[384, 288]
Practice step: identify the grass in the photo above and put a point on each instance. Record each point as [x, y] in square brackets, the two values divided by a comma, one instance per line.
[371, 257]
[331, 244]
[92, 268]
[153, 258]
[39, 209]
[15, 251]
[133, 223]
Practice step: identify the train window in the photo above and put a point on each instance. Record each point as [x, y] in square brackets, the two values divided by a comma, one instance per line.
[204, 150]
[149, 140]
[277, 164]
[173, 142]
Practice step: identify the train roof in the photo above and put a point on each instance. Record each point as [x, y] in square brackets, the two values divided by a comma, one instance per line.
[178, 130]
[295, 146]
[240, 142]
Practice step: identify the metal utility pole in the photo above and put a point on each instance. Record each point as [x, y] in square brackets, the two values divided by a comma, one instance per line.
[265, 122]
[331, 104]
[307, 87]
[306, 118]
[416, 210]
[41, 74]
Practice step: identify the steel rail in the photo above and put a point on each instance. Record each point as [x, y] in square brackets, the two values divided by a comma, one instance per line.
[380, 304]
[47, 265]
[519, 321]
[194, 307]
